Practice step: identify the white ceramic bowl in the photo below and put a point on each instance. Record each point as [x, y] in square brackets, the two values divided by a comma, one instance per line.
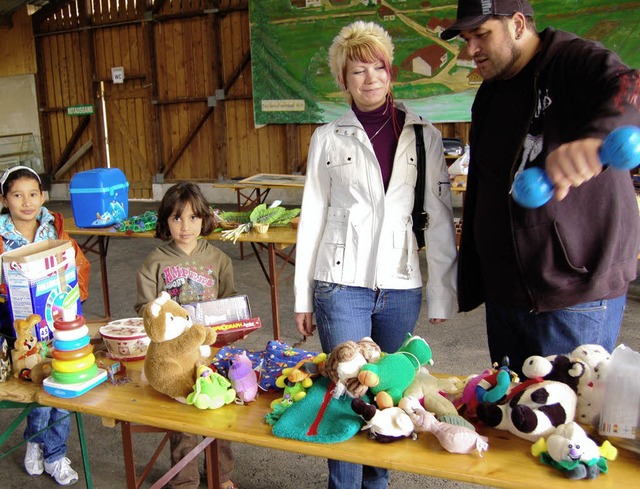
[126, 339]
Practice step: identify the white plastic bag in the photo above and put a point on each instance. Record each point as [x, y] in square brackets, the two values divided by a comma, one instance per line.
[620, 415]
[460, 166]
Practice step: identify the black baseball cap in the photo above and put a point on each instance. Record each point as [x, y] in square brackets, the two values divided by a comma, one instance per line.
[474, 13]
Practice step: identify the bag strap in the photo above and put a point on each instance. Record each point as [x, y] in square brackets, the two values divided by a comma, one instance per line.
[418, 202]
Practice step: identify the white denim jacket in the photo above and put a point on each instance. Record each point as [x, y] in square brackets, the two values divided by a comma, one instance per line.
[353, 233]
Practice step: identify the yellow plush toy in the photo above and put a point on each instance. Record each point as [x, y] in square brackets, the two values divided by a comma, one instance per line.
[177, 347]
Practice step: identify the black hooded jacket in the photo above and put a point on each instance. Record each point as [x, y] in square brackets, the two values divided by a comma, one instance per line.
[564, 253]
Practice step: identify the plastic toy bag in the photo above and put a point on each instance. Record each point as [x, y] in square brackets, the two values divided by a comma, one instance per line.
[620, 415]
[460, 166]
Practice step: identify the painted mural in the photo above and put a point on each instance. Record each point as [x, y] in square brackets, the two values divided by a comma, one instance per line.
[292, 82]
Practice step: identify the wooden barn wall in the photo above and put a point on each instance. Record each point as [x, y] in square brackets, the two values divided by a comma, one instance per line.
[64, 80]
[184, 110]
[17, 54]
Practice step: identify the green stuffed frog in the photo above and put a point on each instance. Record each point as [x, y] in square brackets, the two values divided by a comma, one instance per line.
[388, 378]
[211, 390]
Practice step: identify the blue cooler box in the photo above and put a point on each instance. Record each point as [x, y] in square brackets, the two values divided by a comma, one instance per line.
[99, 198]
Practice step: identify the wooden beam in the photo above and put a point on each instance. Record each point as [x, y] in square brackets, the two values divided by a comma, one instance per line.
[151, 68]
[220, 136]
[192, 134]
[75, 137]
[72, 161]
[237, 72]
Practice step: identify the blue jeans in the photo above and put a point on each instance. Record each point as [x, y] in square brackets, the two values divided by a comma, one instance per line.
[53, 439]
[350, 313]
[518, 333]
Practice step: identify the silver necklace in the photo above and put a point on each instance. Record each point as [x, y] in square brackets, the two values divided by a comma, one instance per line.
[378, 131]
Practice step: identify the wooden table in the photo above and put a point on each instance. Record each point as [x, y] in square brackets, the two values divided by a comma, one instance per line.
[507, 463]
[258, 187]
[19, 394]
[279, 241]
[254, 190]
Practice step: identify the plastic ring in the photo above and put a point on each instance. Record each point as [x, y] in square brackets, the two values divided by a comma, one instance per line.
[72, 334]
[66, 355]
[74, 365]
[61, 324]
[71, 344]
[75, 377]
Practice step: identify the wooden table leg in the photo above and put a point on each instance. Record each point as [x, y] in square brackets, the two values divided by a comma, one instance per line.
[273, 285]
[208, 445]
[127, 452]
[102, 244]
[211, 462]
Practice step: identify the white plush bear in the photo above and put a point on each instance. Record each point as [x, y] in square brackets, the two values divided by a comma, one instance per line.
[591, 386]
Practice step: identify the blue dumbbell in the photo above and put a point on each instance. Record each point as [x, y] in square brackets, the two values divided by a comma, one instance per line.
[620, 150]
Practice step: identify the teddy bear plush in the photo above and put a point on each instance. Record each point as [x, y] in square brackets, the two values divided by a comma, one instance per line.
[534, 407]
[344, 363]
[177, 347]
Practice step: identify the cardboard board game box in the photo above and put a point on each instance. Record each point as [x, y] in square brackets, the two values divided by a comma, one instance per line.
[230, 317]
[235, 330]
[42, 279]
[219, 311]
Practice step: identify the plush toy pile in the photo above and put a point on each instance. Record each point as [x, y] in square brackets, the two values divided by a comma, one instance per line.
[330, 398]
[390, 395]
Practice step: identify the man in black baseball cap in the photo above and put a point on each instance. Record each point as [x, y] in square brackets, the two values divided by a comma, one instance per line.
[549, 283]
[474, 13]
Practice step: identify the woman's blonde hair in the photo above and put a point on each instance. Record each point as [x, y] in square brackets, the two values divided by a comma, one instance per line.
[366, 42]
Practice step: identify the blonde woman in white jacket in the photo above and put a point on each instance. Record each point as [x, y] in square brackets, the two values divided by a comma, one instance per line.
[357, 264]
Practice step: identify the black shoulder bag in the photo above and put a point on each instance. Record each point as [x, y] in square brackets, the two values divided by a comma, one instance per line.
[419, 216]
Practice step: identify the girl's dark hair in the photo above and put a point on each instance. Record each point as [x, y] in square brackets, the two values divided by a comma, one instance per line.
[174, 202]
[13, 174]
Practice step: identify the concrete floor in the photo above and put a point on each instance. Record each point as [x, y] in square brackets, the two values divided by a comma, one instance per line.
[459, 345]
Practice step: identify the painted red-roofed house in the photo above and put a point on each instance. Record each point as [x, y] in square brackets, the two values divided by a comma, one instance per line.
[437, 25]
[426, 61]
[385, 13]
[475, 78]
[306, 3]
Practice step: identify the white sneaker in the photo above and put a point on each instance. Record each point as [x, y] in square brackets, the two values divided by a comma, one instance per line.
[33, 459]
[61, 471]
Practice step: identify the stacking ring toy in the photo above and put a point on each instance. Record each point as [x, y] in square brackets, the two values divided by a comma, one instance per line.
[71, 345]
[61, 324]
[75, 377]
[72, 334]
[74, 365]
[67, 355]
